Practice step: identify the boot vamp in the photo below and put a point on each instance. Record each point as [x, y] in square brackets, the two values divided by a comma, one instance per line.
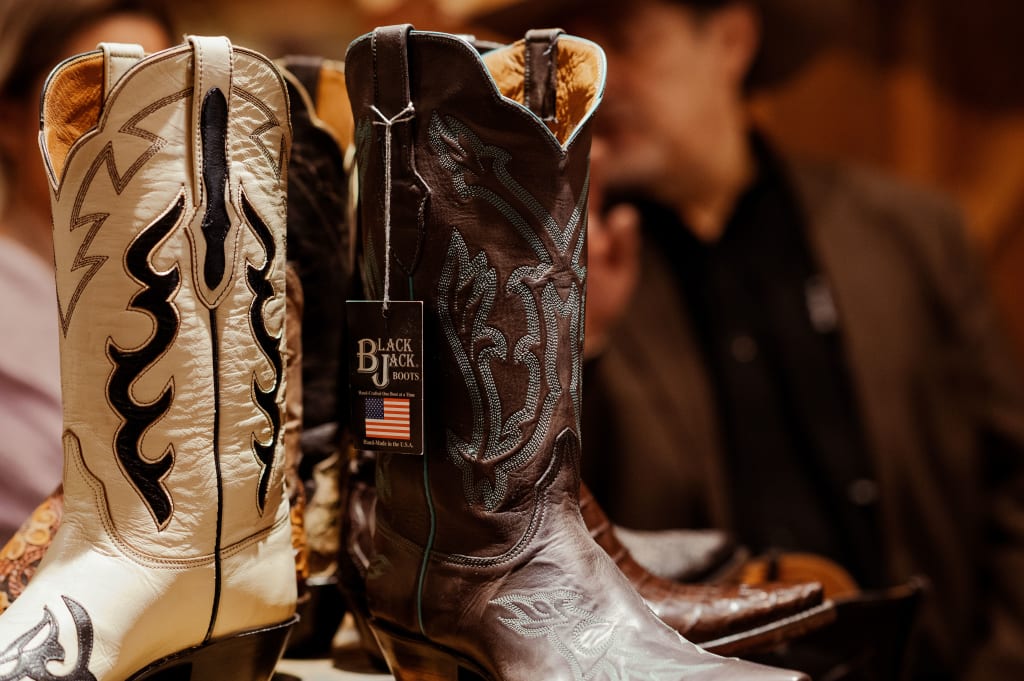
[561, 611]
[112, 611]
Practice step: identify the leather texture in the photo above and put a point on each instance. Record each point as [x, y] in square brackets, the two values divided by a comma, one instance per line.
[707, 613]
[739, 617]
[481, 554]
[20, 557]
[321, 252]
[168, 197]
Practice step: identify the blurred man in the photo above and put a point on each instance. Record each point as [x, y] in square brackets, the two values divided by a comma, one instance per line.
[802, 354]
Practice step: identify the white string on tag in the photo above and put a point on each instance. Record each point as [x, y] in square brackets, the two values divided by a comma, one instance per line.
[405, 114]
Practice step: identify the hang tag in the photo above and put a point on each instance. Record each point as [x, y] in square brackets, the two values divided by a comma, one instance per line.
[385, 357]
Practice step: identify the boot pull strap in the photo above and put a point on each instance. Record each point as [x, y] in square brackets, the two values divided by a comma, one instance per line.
[394, 117]
[117, 59]
[212, 66]
[540, 85]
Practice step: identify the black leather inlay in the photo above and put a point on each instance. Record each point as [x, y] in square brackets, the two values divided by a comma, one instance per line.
[136, 419]
[214, 128]
[260, 284]
[33, 663]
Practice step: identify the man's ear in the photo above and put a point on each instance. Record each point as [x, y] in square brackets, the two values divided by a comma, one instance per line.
[738, 29]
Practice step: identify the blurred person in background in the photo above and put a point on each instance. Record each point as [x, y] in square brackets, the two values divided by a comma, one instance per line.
[803, 354]
[35, 35]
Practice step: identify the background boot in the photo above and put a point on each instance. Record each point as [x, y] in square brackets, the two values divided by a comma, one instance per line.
[168, 177]
[483, 564]
[726, 619]
[321, 252]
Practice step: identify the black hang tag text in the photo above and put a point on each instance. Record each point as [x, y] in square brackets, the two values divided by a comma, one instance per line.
[385, 359]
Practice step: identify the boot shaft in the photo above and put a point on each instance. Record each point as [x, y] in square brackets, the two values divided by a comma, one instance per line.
[168, 191]
[321, 246]
[487, 227]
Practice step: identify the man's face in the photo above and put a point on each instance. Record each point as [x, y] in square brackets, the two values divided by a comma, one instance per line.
[667, 92]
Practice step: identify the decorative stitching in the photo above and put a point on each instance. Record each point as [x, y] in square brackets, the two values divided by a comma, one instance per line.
[267, 400]
[119, 182]
[466, 296]
[256, 136]
[592, 647]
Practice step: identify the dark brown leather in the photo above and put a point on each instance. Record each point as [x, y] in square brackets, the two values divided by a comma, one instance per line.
[408, 191]
[319, 248]
[358, 520]
[747, 618]
[319, 243]
[482, 560]
[706, 612]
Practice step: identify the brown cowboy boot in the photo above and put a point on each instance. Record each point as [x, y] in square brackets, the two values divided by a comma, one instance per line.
[728, 619]
[725, 619]
[475, 204]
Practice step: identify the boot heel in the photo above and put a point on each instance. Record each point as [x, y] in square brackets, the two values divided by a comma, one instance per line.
[415, 660]
[249, 656]
[367, 641]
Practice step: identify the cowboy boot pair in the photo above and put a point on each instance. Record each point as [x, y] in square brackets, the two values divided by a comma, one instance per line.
[168, 189]
[316, 201]
[473, 178]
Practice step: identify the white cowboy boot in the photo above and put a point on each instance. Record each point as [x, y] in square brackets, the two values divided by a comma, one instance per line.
[168, 188]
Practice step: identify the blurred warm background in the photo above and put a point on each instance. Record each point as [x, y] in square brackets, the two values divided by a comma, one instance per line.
[930, 90]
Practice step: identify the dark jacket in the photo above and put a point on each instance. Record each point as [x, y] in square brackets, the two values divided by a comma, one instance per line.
[938, 391]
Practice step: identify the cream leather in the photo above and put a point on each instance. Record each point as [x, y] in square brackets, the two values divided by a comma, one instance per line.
[142, 564]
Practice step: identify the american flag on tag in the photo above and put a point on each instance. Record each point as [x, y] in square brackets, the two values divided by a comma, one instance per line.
[387, 418]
